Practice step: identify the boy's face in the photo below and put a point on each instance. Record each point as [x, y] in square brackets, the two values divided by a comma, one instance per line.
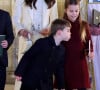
[66, 34]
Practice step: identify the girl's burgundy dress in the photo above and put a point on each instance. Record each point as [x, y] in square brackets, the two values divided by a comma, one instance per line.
[76, 69]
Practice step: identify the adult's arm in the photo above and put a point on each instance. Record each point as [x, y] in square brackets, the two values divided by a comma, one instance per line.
[17, 13]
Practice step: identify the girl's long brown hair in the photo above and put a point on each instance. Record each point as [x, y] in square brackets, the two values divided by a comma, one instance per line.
[49, 3]
[82, 24]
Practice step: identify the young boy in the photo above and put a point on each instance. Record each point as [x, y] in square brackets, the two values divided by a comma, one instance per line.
[44, 58]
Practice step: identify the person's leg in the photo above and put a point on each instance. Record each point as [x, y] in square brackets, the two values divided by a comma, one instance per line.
[2, 77]
[48, 85]
[82, 89]
[68, 88]
[25, 87]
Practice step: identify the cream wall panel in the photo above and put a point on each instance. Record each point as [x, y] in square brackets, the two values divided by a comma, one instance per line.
[6, 5]
[83, 8]
[60, 7]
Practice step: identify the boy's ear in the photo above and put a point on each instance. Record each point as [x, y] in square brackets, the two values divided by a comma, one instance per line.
[59, 32]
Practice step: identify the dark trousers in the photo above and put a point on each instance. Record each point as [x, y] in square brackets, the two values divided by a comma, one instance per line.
[2, 77]
[82, 89]
[26, 87]
[77, 89]
[39, 86]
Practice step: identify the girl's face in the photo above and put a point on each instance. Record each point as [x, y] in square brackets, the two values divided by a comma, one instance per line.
[72, 12]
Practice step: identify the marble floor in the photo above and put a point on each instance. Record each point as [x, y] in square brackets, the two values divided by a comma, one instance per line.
[9, 87]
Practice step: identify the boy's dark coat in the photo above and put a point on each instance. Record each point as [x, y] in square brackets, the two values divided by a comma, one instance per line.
[39, 63]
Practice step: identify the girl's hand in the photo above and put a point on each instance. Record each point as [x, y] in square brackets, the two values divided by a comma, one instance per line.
[91, 56]
[4, 44]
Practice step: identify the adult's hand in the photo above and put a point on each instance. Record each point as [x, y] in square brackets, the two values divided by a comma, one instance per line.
[4, 44]
[45, 32]
[24, 33]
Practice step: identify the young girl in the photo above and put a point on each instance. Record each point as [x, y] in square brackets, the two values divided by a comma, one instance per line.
[76, 69]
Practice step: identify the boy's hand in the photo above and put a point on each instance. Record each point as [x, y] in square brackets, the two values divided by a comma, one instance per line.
[18, 78]
[4, 44]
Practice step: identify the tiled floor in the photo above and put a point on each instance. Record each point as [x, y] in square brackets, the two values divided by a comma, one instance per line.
[9, 87]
